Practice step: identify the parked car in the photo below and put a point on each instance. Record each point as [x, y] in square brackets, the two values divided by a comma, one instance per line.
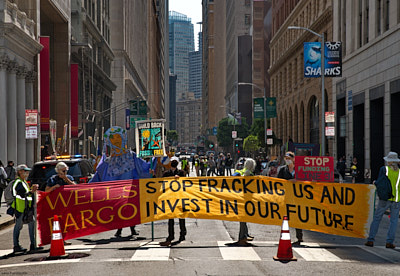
[79, 168]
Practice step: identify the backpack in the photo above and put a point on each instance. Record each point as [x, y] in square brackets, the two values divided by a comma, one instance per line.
[8, 193]
[384, 187]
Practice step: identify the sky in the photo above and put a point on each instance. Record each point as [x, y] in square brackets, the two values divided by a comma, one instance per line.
[191, 8]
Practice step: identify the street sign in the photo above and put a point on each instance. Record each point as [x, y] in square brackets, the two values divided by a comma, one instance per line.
[329, 117]
[350, 100]
[330, 131]
[270, 141]
[269, 132]
[234, 134]
[133, 106]
[31, 132]
[31, 117]
[258, 105]
[214, 130]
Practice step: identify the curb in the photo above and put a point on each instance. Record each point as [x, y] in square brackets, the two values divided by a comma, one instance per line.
[4, 222]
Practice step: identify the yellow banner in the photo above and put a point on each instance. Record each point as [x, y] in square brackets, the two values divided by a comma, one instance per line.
[333, 208]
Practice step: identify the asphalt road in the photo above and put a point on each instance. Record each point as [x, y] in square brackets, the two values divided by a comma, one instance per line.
[205, 251]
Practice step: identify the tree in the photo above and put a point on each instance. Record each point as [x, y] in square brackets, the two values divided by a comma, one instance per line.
[224, 132]
[172, 136]
[251, 143]
[257, 129]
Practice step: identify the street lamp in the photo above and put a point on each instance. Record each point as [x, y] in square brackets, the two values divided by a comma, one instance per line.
[322, 81]
[265, 108]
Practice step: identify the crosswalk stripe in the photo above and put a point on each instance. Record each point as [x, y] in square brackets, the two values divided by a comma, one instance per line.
[237, 253]
[5, 252]
[151, 252]
[318, 255]
[78, 248]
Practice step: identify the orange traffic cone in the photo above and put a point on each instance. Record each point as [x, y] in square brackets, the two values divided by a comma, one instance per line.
[57, 242]
[285, 253]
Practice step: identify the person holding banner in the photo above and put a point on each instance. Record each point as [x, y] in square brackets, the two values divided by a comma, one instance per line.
[391, 172]
[59, 179]
[248, 169]
[174, 171]
[288, 172]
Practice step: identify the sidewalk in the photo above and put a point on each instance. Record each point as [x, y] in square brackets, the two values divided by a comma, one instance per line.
[5, 219]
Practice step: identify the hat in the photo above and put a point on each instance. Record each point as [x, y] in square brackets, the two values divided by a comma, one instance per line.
[175, 159]
[23, 167]
[392, 157]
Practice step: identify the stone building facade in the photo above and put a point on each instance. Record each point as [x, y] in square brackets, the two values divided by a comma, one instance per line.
[18, 48]
[298, 98]
[366, 98]
[188, 124]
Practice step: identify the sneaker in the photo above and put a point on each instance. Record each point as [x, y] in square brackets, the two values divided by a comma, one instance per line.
[390, 245]
[250, 238]
[165, 243]
[135, 233]
[67, 243]
[369, 243]
[18, 249]
[181, 238]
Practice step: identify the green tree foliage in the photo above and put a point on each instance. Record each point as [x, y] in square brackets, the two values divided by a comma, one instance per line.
[224, 132]
[172, 136]
[257, 129]
[251, 143]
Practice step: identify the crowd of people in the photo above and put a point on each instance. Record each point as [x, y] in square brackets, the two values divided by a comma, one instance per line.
[118, 164]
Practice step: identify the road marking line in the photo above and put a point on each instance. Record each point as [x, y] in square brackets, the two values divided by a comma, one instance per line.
[237, 253]
[318, 255]
[41, 263]
[370, 250]
[78, 248]
[5, 252]
[151, 252]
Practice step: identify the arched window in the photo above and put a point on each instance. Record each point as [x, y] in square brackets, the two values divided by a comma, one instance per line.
[314, 120]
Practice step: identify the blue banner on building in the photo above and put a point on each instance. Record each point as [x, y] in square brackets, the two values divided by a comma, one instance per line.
[333, 59]
[312, 59]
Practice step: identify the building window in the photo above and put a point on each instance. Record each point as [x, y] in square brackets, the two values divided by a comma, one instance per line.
[378, 17]
[247, 19]
[342, 130]
[366, 33]
[360, 19]
[386, 15]
[247, 3]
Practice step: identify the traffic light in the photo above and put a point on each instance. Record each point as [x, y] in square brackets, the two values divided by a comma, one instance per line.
[238, 151]
[237, 144]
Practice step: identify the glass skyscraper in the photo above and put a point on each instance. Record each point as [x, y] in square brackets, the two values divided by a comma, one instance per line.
[195, 68]
[181, 42]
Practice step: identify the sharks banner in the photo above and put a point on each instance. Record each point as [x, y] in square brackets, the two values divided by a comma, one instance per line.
[84, 209]
[312, 59]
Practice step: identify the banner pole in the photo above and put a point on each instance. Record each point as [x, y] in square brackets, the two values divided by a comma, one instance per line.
[152, 231]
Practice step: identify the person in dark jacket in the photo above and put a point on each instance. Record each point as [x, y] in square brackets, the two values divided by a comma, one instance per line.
[174, 171]
[288, 172]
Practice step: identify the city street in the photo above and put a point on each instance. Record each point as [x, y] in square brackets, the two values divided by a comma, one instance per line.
[204, 252]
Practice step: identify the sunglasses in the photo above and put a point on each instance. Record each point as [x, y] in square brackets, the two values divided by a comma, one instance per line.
[289, 155]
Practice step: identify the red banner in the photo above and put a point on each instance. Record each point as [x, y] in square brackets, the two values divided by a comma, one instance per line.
[89, 208]
[314, 168]
[45, 83]
[74, 99]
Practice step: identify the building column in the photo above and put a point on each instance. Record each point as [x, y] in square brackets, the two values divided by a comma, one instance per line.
[30, 145]
[12, 112]
[3, 106]
[21, 141]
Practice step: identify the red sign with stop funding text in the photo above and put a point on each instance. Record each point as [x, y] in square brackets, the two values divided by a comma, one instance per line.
[314, 168]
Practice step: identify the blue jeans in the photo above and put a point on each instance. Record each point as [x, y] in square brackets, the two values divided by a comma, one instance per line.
[17, 229]
[383, 205]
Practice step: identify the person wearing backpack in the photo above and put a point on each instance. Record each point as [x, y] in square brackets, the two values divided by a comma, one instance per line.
[387, 173]
[3, 180]
[23, 195]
